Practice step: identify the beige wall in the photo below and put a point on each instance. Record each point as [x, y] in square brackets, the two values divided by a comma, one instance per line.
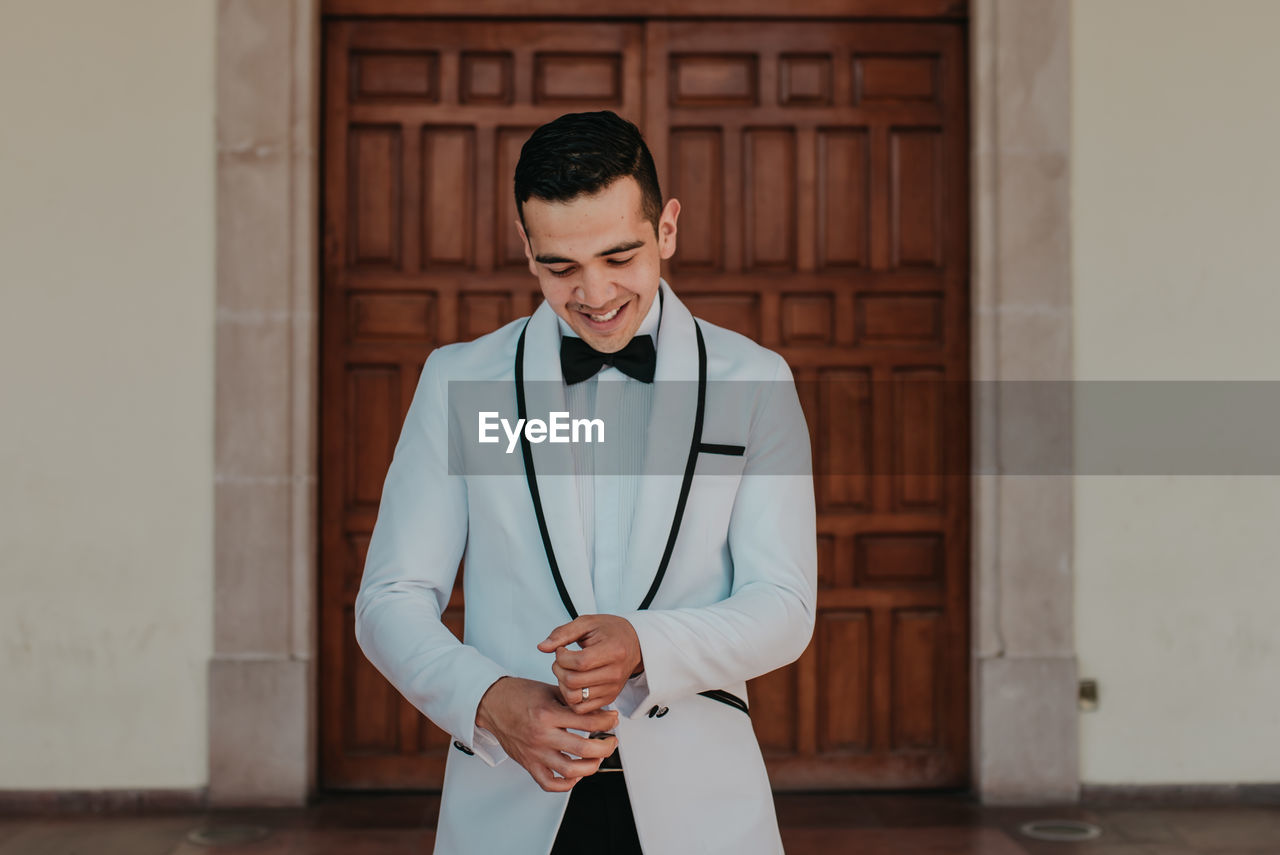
[106, 366]
[1176, 220]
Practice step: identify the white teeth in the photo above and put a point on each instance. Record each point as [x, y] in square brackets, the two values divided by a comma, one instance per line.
[602, 318]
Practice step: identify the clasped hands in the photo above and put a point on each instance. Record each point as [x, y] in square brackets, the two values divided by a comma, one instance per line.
[532, 720]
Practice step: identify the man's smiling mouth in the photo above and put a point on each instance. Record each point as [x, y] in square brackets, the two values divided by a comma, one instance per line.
[604, 320]
[607, 316]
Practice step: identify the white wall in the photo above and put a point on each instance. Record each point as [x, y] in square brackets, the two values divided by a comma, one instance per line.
[106, 367]
[1176, 226]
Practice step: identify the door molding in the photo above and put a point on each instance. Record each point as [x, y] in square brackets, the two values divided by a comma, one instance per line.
[900, 9]
[261, 679]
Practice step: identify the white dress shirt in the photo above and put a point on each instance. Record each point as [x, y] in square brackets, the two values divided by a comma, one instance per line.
[608, 476]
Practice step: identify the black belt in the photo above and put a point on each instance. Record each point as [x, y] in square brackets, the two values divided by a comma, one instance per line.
[612, 763]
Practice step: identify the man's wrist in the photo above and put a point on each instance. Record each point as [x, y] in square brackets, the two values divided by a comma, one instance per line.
[483, 717]
[638, 668]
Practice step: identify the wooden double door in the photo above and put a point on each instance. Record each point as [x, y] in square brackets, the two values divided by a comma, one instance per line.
[821, 167]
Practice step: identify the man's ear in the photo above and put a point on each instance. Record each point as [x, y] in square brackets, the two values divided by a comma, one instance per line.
[667, 228]
[528, 251]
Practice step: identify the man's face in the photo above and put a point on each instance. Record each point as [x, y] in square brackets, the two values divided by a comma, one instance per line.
[598, 260]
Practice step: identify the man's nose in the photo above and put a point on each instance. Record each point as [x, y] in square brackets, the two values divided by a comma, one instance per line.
[596, 289]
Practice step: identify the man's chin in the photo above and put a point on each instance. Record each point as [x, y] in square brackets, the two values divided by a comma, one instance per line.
[607, 343]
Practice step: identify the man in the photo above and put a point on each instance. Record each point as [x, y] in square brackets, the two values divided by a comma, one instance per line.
[598, 698]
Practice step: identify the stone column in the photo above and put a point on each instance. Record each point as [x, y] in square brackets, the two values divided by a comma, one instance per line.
[1025, 731]
[262, 707]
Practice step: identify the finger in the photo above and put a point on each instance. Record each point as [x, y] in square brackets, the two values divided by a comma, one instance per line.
[600, 693]
[568, 696]
[566, 634]
[546, 779]
[588, 658]
[600, 698]
[586, 748]
[597, 697]
[590, 720]
[570, 768]
[576, 680]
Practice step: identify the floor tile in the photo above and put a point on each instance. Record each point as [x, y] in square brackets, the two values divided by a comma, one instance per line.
[899, 841]
[1103, 846]
[380, 841]
[278, 842]
[805, 809]
[862, 823]
[96, 836]
[1225, 828]
[1142, 825]
[384, 811]
[907, 810]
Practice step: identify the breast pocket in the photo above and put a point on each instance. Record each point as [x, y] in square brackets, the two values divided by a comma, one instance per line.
[716, 458]
[716, 477]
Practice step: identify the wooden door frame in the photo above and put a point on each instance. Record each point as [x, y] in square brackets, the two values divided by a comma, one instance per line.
[262, 700]
[899, 9]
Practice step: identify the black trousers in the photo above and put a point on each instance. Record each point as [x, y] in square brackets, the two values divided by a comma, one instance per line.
[598, 820]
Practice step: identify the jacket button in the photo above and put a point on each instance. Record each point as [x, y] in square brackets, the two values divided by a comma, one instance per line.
[653, 711]
[662, 712]
[464, 749]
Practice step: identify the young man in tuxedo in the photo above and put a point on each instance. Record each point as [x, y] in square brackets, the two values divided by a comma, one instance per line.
[598, 698]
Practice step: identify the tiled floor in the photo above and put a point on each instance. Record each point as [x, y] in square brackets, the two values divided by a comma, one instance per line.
[879, 824]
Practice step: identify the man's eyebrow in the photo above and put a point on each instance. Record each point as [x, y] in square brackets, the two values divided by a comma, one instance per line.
[622, 247]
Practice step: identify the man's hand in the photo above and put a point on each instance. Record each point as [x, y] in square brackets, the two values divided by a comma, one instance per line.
[531, 724]
[610, 655]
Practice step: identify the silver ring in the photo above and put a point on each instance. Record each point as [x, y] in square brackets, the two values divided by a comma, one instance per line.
[586, 693]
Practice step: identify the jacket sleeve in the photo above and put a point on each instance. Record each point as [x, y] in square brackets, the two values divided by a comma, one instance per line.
[417, 542]
[767, 620]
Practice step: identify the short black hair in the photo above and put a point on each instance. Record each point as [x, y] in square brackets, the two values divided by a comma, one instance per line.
[583, 153]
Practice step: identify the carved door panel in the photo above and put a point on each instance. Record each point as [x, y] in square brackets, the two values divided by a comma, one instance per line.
[821, 169]
[423, 125]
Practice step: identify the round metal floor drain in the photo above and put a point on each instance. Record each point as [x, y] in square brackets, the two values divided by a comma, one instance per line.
[1060, 829]
[227, 835]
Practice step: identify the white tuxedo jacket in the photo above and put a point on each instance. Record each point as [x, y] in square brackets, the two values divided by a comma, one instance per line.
[721, 569]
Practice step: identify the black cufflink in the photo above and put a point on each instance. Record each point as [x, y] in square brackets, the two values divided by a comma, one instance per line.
[653, 711]
[663, 712]
[464, 749]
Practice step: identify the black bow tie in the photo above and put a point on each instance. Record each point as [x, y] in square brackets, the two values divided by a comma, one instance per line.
[579, 360]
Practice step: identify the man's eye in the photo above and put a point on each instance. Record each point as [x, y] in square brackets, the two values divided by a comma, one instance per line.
[564, 271]
[618, 262]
